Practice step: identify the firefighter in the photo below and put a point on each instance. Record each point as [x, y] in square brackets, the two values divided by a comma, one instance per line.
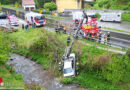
[68, 40]
[64, 30]
[105, 38]
[22, 26]
[100, 36]
[108, 37]
[27, 27]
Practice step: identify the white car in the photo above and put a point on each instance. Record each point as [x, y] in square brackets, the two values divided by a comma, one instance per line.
[69, 66]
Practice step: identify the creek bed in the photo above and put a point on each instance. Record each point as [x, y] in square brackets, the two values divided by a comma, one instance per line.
[34, 73]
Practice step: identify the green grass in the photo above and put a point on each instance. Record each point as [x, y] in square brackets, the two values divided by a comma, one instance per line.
[116, 30]
[11, 80]
[126, 17]
[104, 46]
[57, 17]
[12, 7]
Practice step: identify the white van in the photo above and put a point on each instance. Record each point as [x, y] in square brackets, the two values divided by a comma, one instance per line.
[35, 18]
[113, 17]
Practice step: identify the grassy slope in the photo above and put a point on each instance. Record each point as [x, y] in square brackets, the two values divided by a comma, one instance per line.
[9, 77]
[85, 53]
[15, 80]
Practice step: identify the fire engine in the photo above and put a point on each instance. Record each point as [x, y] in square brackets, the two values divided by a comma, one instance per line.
[89, 25]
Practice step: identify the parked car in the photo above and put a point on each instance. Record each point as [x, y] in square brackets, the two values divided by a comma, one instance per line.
[13, 20]
[2, 15]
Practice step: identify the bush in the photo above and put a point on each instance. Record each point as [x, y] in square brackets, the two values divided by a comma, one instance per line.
[126, 17]
[98, 15]
[67, 80]
[4, 48]
[128, 52]
[50, 6]
[116, 69]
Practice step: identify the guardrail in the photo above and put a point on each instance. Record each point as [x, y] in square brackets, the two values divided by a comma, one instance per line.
[69, 29]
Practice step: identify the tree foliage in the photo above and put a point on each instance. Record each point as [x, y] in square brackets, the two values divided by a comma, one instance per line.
[10, 1]
[50, 6]
[112, 4]
[40, 3]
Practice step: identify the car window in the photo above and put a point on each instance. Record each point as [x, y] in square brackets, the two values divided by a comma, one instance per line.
[71, 58]
[39, 17]
[13, 19]
[67, 70]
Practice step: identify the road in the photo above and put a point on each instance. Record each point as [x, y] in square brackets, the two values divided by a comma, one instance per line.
[120, 26]
[120, 39]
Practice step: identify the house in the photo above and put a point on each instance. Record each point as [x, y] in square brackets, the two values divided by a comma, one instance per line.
[28, 5]
[70, 4]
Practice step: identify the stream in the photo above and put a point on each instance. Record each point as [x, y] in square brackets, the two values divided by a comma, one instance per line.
[34, 73]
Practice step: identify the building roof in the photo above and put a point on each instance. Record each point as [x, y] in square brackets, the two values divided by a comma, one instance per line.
[28, 2]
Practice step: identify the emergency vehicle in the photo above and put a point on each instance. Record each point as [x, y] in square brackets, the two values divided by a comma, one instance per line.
[113, 17]
[35, 18]
[13, 20]
[88, 27]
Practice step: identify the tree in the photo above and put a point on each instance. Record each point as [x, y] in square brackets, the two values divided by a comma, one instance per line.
[50, 6]
[40, 3]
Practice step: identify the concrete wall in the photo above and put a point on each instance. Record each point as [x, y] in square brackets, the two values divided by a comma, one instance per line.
[68, 4]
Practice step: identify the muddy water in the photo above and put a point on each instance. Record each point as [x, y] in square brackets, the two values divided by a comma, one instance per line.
[34, 73]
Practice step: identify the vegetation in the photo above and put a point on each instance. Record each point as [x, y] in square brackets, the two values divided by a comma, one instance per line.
[9, 76]
[126, 17]
[112, 4]
[50, 6]
[9, 2]
[13, 7]
[98, 69]
[4, 48]
[40, 3]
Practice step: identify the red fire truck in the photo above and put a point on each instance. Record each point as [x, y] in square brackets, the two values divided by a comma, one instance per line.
[89, 26]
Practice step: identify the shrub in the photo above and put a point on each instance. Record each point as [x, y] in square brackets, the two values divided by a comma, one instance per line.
[128, 52]
[4, 48]
[126, 16]
[116, 69]
[50, 6]
[67, 80]
[98, 15]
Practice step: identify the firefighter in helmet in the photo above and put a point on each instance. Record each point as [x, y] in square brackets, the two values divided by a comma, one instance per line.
[108, 37]
[100, 36]
[68, 40]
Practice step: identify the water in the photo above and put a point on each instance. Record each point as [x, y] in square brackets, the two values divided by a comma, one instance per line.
[34, 72]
